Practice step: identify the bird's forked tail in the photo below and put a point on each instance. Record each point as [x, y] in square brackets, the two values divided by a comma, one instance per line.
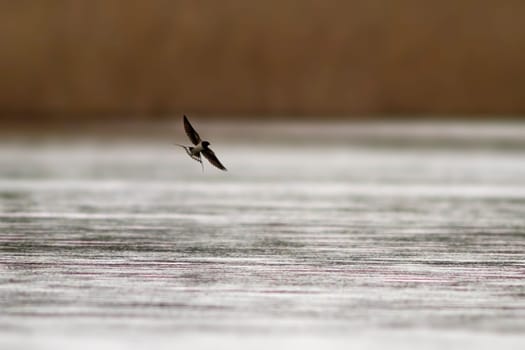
[195, 157]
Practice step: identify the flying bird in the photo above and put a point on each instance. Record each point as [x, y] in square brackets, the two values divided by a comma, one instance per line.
[200, 147]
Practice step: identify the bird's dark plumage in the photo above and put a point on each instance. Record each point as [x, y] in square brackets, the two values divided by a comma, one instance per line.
[200, 147]
[190, 131]
[212, 158]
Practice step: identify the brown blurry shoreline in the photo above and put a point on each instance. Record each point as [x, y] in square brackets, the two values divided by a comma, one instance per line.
[113, 59]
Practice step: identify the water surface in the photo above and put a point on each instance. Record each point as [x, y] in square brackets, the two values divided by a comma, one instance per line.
[337, 243]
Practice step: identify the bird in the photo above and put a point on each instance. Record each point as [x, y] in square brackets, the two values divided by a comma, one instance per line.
[200, 147]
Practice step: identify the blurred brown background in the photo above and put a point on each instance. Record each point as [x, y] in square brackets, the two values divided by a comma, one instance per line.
[63, 58]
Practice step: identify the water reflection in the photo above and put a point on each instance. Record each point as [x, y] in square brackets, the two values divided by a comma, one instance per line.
[382, 246]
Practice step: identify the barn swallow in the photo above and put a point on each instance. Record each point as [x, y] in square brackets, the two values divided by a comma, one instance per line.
[200, 147]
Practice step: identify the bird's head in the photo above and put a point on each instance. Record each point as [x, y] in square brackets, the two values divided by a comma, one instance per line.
[205, 143]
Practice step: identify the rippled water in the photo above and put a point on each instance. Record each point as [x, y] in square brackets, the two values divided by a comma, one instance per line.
[128, 244]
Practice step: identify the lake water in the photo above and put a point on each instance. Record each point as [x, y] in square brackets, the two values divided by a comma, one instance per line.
[371, 236]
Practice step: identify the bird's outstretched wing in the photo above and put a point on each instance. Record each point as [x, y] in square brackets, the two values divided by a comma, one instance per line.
[190, 131]
[212, 158]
